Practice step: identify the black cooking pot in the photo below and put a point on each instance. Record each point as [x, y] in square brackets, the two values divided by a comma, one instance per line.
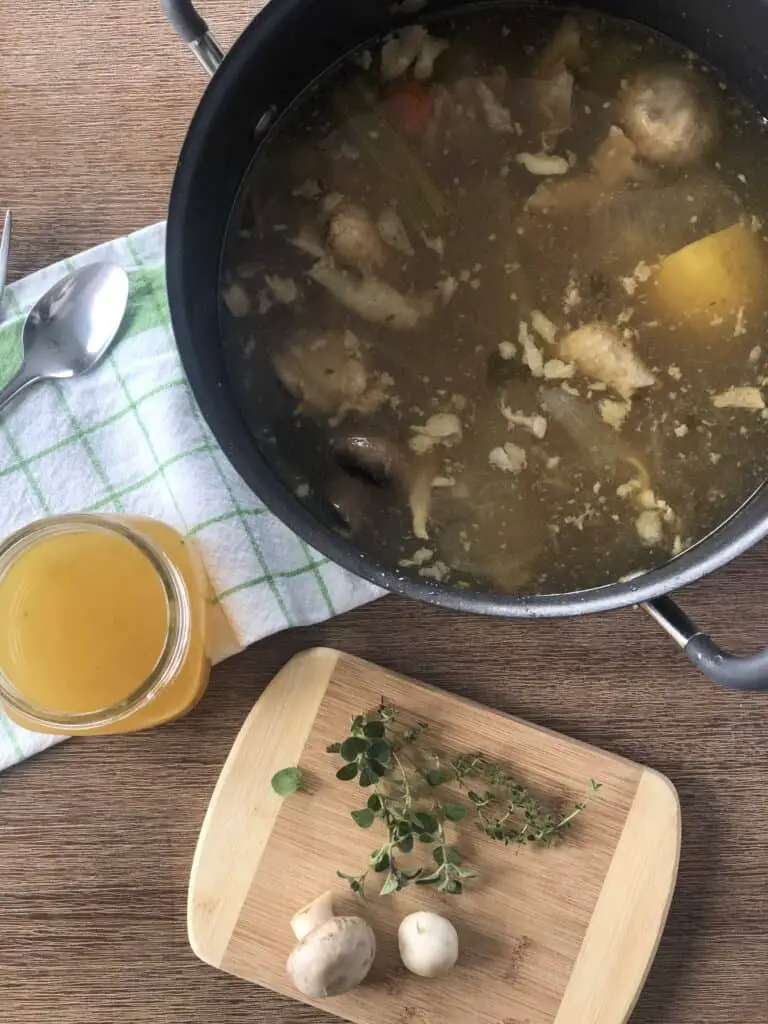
[280, 53]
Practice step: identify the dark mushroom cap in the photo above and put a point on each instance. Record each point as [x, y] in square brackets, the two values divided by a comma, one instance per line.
[374, 458]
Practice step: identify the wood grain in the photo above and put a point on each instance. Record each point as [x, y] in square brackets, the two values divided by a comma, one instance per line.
[95, 99]
[97, 836]
[565, 936]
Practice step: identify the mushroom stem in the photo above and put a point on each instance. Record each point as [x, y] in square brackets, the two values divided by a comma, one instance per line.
[313, 915]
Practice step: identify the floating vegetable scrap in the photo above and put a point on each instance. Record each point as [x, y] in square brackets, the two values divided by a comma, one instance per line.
[406, 780]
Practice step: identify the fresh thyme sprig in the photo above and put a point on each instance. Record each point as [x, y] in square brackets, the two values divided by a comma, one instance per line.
[405, 778]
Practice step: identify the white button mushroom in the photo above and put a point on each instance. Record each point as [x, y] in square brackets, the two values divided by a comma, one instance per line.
[429, 945]
[670, 114]
[334, 954]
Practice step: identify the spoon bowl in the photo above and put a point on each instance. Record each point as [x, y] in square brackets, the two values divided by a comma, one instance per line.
[71, 327]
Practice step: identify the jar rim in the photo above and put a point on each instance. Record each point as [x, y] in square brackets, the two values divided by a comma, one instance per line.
[178, 626]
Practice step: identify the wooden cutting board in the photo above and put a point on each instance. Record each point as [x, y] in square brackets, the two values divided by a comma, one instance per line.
[564, 934]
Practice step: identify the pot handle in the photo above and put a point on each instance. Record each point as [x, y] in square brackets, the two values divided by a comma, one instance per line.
[195, 32]
[736, 671]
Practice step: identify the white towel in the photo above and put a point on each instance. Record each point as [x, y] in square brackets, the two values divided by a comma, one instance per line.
[128, 438]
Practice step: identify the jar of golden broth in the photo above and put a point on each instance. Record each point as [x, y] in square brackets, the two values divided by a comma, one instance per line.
[102, 625]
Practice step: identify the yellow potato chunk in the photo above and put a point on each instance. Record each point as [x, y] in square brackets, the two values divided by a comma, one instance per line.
[712, 278]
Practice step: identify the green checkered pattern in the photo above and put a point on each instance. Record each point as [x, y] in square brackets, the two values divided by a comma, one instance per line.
[129, 438]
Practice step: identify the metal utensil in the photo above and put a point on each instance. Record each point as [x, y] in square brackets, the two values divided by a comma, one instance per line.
[71, 327]
[5, 248]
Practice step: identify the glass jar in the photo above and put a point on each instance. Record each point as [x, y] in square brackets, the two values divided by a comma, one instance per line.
[102, 625]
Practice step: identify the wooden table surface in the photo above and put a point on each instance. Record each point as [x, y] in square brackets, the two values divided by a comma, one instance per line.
[96, 837]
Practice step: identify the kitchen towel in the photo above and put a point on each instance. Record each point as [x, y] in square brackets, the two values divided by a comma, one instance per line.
[128, 438]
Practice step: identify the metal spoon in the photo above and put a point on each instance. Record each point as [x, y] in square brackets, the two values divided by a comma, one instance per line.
[5, 248]
[71, 327]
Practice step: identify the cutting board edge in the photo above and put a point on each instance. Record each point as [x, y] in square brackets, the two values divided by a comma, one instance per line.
[229, 838]
[609, 975]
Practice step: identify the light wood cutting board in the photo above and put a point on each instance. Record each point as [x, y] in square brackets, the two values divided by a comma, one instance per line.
[564, 934]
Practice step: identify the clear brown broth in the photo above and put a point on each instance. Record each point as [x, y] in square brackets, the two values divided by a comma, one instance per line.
[569, 518]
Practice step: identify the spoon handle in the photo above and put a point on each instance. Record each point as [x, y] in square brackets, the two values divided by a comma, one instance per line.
[5, 247]
[16, 384]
